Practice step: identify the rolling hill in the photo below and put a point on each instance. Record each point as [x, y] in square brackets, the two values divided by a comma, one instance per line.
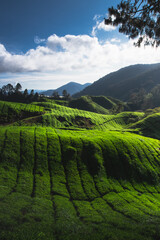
[98, 104]
[124, 82]
[71, 88]
[69, 174]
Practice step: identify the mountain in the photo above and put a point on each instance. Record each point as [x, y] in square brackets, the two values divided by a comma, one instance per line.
[124, 82]
[35, 90]
[71, 88]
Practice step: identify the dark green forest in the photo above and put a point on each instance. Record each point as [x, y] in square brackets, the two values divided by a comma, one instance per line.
[138, 85]
[14, 93]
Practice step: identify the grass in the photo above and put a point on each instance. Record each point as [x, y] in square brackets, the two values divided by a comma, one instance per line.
[73, 174]
[11, 112]
[59, 116]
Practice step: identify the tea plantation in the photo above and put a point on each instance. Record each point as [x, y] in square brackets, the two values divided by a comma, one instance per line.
[69, 174]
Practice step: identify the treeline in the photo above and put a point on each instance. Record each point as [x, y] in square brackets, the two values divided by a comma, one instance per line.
[15, 94]
[65, 95]
[143, 100]
[10, 93]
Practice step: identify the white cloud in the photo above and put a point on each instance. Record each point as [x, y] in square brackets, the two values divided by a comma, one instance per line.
[100, 25]
[103, 26]
[38, 40]
[115, 40]
[79, 58]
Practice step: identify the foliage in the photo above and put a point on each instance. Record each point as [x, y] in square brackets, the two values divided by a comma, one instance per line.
[86, 103]
[55, 95]
[66, 95]
[15, 94]
[138, 18]
[11, 112]
[74, 184]
[132, 83]
[77, 181]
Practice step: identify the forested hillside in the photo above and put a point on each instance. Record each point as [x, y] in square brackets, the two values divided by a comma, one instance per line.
[125, 83]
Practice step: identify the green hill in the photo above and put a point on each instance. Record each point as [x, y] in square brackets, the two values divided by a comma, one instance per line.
[86, 103]
[73, 174]
[149, 126]
[124, 82]
[11, 112]
[98, 104]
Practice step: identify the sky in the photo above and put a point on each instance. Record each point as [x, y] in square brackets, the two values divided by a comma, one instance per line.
[45, 44]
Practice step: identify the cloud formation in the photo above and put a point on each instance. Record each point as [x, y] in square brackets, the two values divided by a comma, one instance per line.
[38, 40]
[101, 26]
[82, 54]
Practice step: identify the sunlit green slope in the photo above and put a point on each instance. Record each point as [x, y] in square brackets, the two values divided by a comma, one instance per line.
[59, 116]
[149, 126]
[73, 174]
[11, 112]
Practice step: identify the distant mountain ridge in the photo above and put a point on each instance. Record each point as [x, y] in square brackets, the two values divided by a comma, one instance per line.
[122, 83]
[71, 88]
[35, 90]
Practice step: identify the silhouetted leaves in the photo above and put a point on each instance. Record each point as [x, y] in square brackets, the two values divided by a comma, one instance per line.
[138, 18]
[15, 94]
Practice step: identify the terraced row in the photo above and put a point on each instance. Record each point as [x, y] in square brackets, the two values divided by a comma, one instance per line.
[10, 112]
[65, 117]
[58, 184]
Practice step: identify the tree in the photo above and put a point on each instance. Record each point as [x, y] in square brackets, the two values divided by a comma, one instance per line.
[9, 89]
[25, 93]
[18, 87]
[55, 95]
[32, 92]
[4, 90]
[137, 18]
[36, 96]
[64, 93]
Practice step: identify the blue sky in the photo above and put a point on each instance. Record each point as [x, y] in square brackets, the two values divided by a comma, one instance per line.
[21, 21]
[47, 43]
